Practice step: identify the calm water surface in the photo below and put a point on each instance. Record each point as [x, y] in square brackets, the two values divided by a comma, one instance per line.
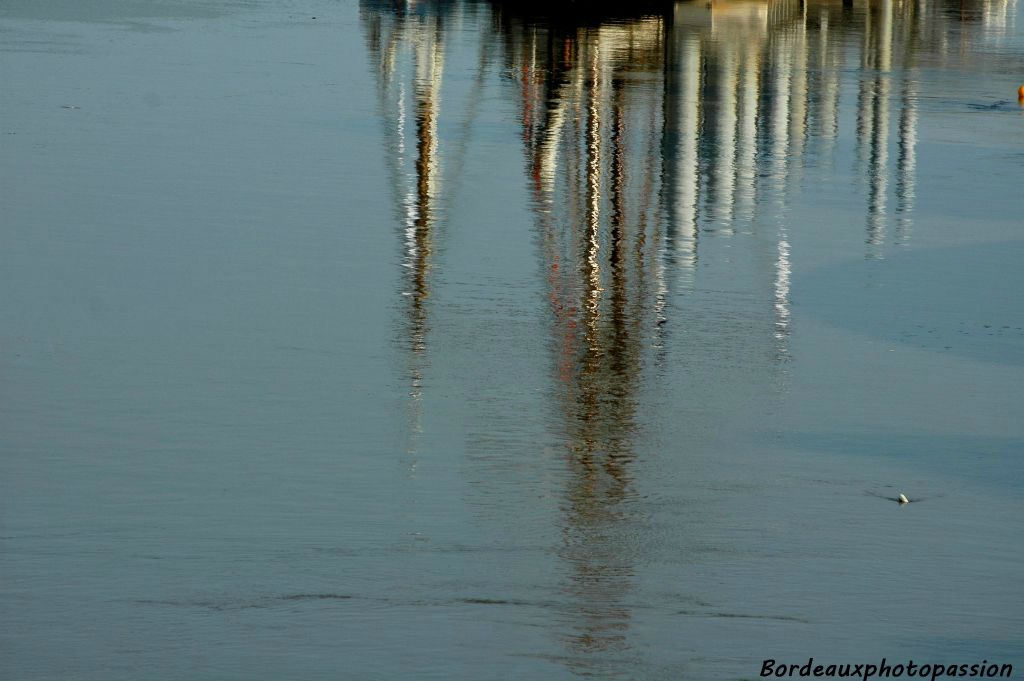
[447, 340]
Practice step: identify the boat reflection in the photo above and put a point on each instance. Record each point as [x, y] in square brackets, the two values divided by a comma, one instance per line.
[645, 137]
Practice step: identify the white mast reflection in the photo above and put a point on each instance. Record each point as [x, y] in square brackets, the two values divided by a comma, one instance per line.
[725, 163]
[406, 43]
[829, 67]
[746, 153]
[907, 161]
[682, 130]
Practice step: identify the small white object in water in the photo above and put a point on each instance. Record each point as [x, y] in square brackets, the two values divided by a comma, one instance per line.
[903, 499]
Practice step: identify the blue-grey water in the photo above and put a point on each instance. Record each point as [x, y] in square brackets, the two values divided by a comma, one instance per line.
[453, 340]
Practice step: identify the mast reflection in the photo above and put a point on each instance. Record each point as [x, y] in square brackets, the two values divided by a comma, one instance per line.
[590, 130]
[648, 142]
[405, 42]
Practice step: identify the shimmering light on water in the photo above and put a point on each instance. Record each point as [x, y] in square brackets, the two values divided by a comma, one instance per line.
[463, 340]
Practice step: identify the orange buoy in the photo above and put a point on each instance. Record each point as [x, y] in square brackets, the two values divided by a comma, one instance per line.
[1020, 92]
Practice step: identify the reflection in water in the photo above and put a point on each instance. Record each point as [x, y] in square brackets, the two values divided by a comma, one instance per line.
[406, 47]
[873, 115]
[642, 137]
[590, 129]
[907, 163]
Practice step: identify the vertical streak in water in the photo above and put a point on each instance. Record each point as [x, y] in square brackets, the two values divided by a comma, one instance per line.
[401, 125]
[598, 403]
[457, 155]
[878, 170]
[648, 266]
[415, 192]
[725, 164]
[782, 100]
[646, 224]
[547, 158]
[780, 110]
[533, 83]
[593, 190]
[746, 153]
[682, 177]
[575, 156]
[618, 297]
[782, 277]
[866, 93]
[999, 18]
[419, 242]
[830, 73]
[798, 91]
[419, 239]
[907, 162]
[657, 148]
[420, 37]
[617, 188]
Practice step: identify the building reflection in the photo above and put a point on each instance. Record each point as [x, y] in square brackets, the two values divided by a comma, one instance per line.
[643, 138]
